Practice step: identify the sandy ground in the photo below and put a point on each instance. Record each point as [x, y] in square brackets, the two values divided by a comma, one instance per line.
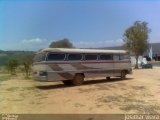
[139, 93]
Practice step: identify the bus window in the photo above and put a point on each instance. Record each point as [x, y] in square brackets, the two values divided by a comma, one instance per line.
[106, 57]
[55, 57]
[75, 57]
[116, 57]
[40, 57]
[124, 56]
[90, 57]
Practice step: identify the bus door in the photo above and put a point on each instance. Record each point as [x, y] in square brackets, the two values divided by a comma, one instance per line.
[116, 64]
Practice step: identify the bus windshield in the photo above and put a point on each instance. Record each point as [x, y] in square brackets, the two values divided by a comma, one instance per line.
[40, 57]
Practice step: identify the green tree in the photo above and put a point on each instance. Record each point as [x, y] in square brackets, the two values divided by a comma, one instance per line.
[27, 62]
[65, 43]
[11, 66]
[136, 39]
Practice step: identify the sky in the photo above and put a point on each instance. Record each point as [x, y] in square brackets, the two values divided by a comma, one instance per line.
[34, 24]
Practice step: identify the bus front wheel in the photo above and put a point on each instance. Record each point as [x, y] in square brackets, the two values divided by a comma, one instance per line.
[78, 79]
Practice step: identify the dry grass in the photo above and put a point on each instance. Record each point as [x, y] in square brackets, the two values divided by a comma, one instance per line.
[4, 77]
[141, 108]
[137, 94]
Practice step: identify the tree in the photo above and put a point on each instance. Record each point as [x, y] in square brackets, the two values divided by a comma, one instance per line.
[27, 62]
[11, 66]
[65, 43]
[136, 39]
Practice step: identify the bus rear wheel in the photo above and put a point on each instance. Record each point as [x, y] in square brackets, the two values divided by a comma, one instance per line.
[78, 79]
[123, 75]
[67, 82]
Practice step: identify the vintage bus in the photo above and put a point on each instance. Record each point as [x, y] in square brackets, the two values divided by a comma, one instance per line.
[71, 66]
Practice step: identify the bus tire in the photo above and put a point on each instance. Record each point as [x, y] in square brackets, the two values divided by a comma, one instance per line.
[78, 79]
[67, 82]
[108, 78]
[123, 75]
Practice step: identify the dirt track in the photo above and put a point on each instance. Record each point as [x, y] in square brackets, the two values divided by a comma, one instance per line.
[139, 93]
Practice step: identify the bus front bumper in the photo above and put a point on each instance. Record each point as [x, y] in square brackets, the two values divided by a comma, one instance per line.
[40, 78]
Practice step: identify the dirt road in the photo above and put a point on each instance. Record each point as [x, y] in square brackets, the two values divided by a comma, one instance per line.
[139, 93]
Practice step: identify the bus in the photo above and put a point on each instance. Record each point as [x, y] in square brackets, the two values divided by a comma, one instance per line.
[71, 66]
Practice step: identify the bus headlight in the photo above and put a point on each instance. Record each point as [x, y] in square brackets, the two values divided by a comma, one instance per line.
[43, 73]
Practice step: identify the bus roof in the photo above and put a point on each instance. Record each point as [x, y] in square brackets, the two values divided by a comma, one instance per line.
[75, 50]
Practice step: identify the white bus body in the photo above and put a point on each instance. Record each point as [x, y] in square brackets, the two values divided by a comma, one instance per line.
[72, 65]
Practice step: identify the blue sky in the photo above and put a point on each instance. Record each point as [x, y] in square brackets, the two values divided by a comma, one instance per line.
[34, 24]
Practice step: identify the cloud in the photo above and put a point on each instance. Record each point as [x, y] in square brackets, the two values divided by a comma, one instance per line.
[105, 43]
[33, 41]
[33, 44]
[38, 43]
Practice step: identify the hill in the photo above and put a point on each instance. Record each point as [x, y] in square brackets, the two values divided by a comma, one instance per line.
[18, 55]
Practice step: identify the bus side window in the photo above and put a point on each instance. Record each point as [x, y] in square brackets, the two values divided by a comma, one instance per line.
[106, 57]
[116, 57]
[75, 56]
[124, 57]
[56, 57]
[90, 57]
